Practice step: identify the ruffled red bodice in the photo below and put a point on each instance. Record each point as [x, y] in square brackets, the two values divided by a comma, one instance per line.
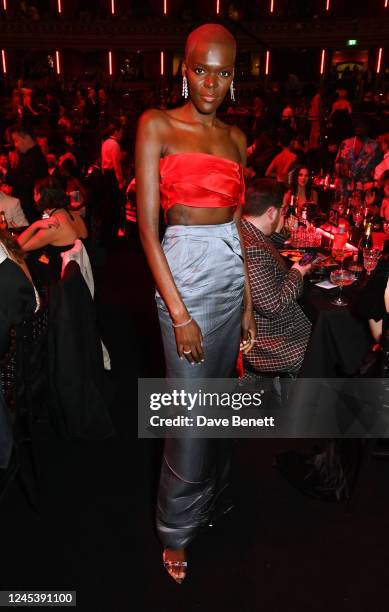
[200, 180]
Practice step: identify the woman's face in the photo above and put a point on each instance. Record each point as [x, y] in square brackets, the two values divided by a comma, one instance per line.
[209, 69]
[302, 178]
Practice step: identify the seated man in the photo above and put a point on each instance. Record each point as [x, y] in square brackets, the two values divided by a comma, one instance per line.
[285, 161]
[13, 211]
[282, 328]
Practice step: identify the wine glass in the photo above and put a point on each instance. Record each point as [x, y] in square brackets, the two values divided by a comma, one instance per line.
[358, 215]
[338, 255]
[341, 278]
[370, 259]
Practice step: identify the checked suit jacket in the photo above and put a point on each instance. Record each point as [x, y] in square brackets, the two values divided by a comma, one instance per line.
[283, 330]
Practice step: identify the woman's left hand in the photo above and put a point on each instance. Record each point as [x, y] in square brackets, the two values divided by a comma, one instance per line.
[50, 223]
[249, 331]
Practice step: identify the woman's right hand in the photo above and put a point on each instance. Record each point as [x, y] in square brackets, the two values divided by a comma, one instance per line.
[189, 340]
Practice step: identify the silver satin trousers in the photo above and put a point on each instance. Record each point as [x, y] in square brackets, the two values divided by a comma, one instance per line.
[207, 266]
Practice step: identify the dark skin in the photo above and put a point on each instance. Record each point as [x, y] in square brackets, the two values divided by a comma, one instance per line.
[192, 128]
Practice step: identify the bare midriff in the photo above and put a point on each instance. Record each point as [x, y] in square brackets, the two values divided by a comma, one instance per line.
[190, 215]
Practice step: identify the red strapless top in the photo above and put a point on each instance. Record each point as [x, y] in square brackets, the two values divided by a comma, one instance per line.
[201, 180]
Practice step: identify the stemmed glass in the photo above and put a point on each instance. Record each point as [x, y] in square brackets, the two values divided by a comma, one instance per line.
[340, 255]
[341, 278]
[358, 215]
[370, 259]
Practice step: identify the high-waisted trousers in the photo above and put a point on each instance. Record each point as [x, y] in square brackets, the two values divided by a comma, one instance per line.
[207, 266]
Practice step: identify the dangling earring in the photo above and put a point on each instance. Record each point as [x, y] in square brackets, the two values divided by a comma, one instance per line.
[185, 90]
[232, 91]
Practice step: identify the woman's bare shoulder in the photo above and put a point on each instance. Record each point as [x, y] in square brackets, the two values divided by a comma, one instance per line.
[239, 139]
[152, 124]
[238, 136]
[154, 117]
[60, 216]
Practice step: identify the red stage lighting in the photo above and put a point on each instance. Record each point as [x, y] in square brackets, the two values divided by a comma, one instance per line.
[217, 7]
[162, 61]
[323, 61]
[113, 8]
[59, 6]
[5, 5]
[386, 4]
[272, 6]
[267, 63]
[110, 64]
[379, 60]
[4, 61]
[57, 63]
[327, 5]
[165, 7]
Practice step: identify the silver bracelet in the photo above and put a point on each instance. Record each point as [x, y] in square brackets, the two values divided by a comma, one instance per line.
[182, 324]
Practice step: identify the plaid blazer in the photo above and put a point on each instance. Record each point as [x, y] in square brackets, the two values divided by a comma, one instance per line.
[283, 330]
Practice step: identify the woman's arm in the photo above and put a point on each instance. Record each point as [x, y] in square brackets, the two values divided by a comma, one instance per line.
[28, 233]
[249, 328]
[43, 224]
[148, 150]
[41, 238]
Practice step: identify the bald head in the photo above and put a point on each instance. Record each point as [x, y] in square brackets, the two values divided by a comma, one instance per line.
[209, 33]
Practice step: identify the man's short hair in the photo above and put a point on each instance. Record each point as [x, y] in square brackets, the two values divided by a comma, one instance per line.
[261, 194]
[113, 127]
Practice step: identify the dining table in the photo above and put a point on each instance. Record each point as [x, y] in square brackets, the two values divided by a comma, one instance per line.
[337, 392]
[340, 338]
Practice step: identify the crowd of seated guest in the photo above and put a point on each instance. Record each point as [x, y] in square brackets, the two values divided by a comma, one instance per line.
[46, 268]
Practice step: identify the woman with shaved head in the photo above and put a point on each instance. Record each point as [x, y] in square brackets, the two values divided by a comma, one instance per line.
[191, 163]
